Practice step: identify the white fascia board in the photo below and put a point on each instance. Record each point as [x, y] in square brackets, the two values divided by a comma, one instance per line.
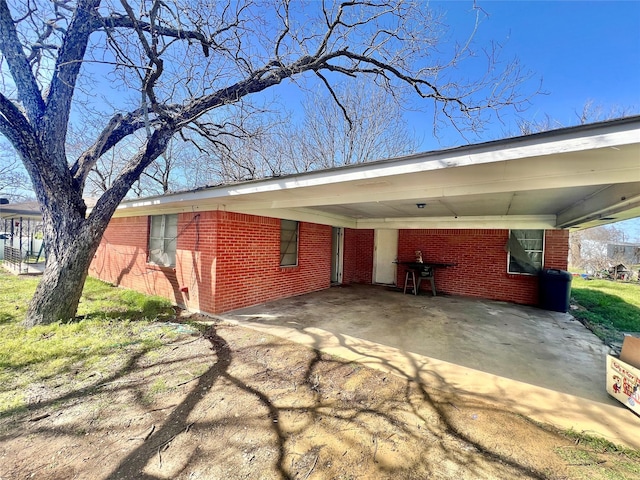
[18, 215]
[376, 171]
[570, 140]
[540, 173]
[299, 214]
[536, 222]
[608, 201]
[613, 214]
[546, 222]
[606, 219]
[163, 209]
[524, 147]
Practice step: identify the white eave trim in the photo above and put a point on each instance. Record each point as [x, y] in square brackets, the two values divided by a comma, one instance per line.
[607, 134]
[535, 222]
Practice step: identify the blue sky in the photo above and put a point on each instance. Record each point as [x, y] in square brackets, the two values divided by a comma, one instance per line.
[576, 52]
[581, 50]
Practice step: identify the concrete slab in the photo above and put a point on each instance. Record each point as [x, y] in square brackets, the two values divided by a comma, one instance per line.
[542, 364]
[24, 268]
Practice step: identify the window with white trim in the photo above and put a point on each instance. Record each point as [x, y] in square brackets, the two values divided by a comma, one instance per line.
[163, 233]
[288, 243]
[526, 251]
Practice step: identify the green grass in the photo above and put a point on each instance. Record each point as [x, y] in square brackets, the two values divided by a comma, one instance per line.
[113, 324]
[102, 300]
[595, 458]
[608, 308]
[157, 388]
[599, 444]
[99, 300]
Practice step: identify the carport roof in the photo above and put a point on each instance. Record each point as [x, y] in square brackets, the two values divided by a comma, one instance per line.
[22, 209]
[569, 178]
[31, 210]
[574, 178]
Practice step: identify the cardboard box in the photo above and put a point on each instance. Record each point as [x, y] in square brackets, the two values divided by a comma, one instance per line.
[623, 374]
[631, 351]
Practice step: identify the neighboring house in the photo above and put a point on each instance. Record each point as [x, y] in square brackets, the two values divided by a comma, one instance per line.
[493, 212]
[620, 272]
[18, 223]
[22, 225]
[629, 253]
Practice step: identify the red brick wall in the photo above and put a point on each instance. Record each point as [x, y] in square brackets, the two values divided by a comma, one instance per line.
[228, 261]
[358, 256]
[196, 252]
[248, 268]
[121, 259]
[556, 249]
[481, 262]
[225, 260]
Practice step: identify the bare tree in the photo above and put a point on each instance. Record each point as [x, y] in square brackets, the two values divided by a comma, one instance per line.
[249, 149]
[366, 125]
[164, 174]
[591, 112]
[239, 159]
[595, 112]
[14, 182]
[183, 64]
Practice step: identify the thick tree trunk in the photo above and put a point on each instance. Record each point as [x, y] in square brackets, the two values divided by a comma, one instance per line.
[69, 254]
[71, 238]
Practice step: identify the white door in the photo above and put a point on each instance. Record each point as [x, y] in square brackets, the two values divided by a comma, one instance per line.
[385, 252]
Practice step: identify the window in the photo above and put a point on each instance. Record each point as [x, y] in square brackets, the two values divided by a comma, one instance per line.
[163, 232]
[526, 249]
[288, 243]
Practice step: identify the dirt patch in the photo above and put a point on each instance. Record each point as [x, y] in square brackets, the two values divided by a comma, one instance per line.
[235, 404]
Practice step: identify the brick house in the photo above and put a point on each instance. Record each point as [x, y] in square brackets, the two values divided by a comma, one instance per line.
[222, 248]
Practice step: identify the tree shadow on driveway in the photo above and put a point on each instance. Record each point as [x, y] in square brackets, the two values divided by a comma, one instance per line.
[236, 403]
[327, 410]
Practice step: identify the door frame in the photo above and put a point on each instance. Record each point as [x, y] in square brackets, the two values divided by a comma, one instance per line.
[337, 255]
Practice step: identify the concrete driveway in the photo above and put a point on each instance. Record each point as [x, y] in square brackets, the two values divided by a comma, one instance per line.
[543, 364]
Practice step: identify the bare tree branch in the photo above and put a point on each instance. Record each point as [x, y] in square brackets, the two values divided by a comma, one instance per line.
[28, 91]
[63, 82]
[335, 99]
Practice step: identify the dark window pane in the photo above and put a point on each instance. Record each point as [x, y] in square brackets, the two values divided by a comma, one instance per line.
[288, 242]
[526, 251]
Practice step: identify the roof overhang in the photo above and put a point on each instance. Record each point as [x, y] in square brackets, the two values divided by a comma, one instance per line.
[570, 178]
[24, 210]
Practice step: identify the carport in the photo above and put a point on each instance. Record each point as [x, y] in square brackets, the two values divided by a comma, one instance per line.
[543, 364]
[457, 206]
[21, 252]
[471, 207]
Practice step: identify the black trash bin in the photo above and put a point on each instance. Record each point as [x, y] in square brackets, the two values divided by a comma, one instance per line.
[555, 289]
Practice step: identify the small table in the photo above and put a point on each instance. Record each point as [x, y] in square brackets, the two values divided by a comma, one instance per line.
[416, 272]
